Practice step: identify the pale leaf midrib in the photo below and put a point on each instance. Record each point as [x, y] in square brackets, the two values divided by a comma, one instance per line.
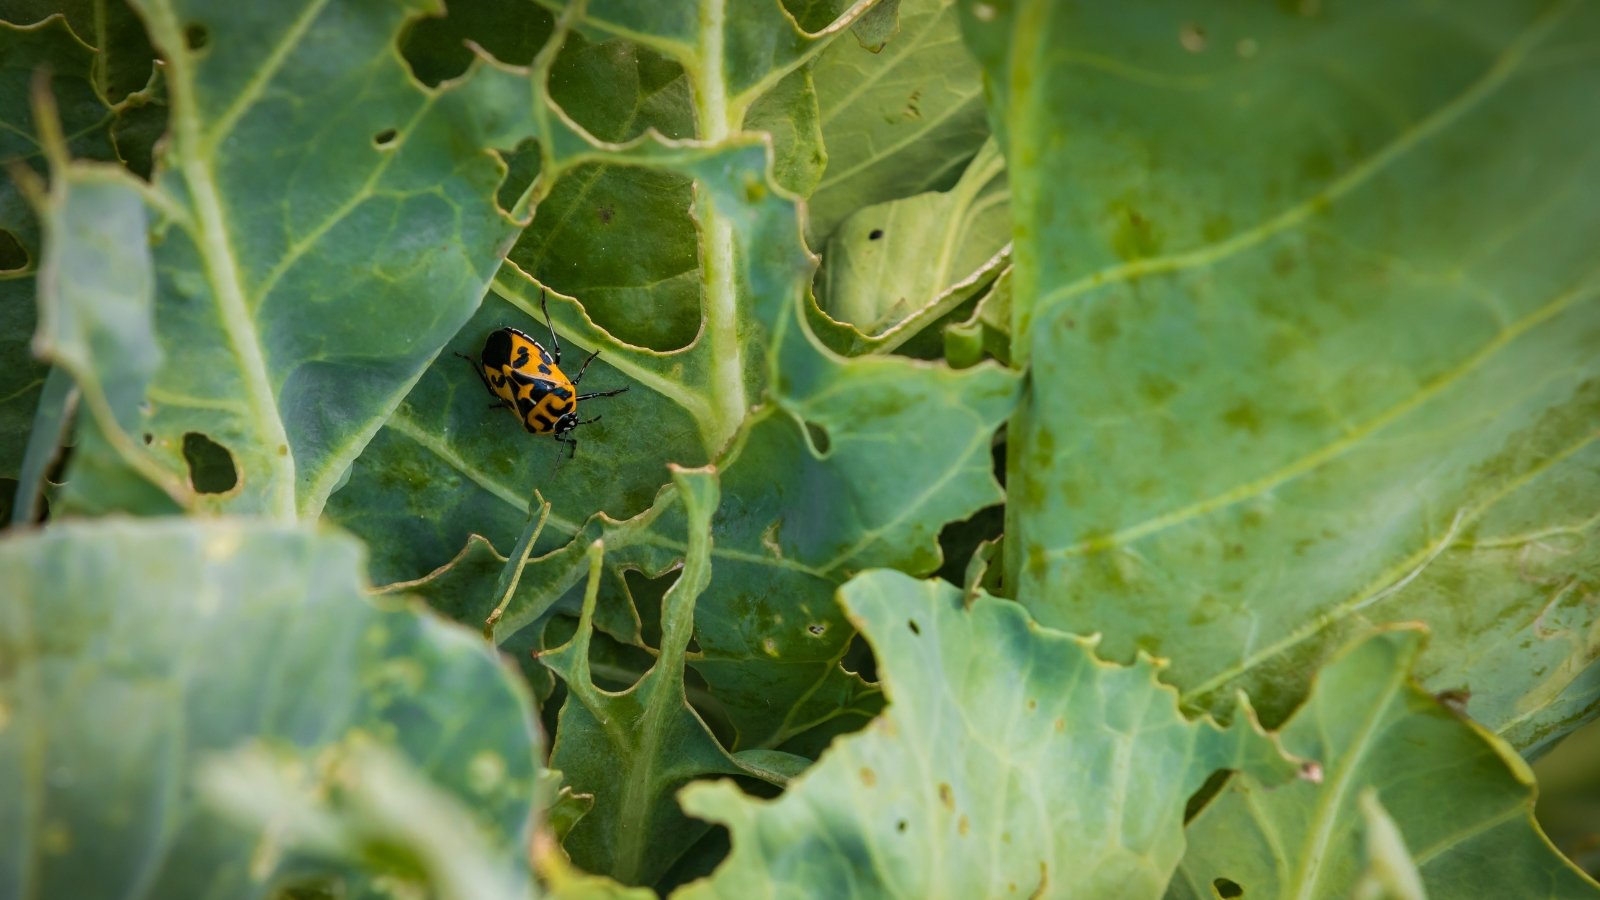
[1472, 830]
[901, 46]
[258, 82]
[1331, 796]
[831, 178]
[721, 302]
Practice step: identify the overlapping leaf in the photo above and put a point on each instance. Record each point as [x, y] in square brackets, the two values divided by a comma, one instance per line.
[633, 750]
[1011, 761]
[47, 54]
[770, 637]
[97, 322]
[895, 269]
[136, 649]
[898, 120]
[322, 225]
[1461, 799]
[1312, 322]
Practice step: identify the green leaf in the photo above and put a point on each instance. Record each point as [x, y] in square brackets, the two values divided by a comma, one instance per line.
[323, 226]
[620, 237]
[633, 750]
[1391, 874]
[363, 806]
[789, 113]
[987, 332]
[122, 59]
[138, 649]
[892, 269]
[1311, 339]
[1461, 799]
[897, 122]
[97, 321]
[770, 635]
[46, 46]
[1011, 761]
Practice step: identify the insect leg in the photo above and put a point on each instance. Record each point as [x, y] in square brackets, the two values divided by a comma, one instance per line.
[596, 394]
[555, 342]
[481, 377]
[572, 450]
[579, 377]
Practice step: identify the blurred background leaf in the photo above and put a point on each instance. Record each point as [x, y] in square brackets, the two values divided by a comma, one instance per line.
[138, 649]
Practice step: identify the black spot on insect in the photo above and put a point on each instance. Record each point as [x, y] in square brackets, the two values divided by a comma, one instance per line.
[523, 356]
[497, 349]
[875, 234]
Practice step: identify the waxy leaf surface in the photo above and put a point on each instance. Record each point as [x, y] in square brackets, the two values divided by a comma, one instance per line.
[1311, 304]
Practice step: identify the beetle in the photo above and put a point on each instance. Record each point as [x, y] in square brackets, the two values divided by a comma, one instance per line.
[527, 379]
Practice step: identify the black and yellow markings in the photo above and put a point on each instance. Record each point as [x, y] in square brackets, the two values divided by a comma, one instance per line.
[527, 379]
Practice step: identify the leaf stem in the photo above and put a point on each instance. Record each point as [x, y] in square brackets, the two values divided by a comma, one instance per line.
[210, 232]
[720, 289]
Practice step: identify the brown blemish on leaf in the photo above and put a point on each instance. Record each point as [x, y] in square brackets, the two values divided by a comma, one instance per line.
[947, 796]
[868, 777]
[1044, 880]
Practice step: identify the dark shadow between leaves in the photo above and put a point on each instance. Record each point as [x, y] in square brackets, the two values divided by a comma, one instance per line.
[13, 256]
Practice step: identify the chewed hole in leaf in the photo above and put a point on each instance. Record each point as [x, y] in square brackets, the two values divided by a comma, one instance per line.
[915, 628]
[522, 167]
[1226, 888]
[900, 826]
[384, 139]
[13, 257]
[196, 36]
[875, 234]
[435, 47]
[211, 467]
[817, 629]
[817, 436]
